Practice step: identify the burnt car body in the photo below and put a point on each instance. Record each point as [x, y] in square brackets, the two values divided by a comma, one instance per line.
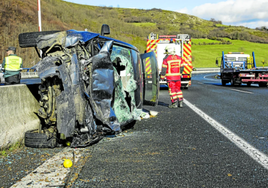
[92, 85]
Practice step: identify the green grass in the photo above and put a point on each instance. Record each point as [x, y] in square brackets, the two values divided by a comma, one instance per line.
[205, 55]
[147, 24]
[201, 41]
[5, 151]
[221, 25]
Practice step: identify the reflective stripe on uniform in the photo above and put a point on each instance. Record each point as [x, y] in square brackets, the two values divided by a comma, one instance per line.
[13, 63]
[174, 89]
[173, 72]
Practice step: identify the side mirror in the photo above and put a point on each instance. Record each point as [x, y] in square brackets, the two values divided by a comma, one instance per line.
[105, 29]
[217, 62]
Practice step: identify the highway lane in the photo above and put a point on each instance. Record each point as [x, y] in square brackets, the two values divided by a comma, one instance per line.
[241, 109]
[179, 148]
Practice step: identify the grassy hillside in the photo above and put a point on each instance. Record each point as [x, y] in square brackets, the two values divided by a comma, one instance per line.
[205, 55]
[130, 25]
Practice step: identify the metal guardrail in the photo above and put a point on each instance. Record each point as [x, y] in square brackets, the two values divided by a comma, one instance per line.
[34, 74]
[24, 75]
[210, 70]
[205, 70]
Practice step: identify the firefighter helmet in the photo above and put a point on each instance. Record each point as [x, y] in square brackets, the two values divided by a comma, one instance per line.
[169, 50]
[173, 51]
[166, 50]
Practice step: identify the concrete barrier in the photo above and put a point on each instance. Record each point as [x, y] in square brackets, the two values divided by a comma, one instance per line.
[18, 113]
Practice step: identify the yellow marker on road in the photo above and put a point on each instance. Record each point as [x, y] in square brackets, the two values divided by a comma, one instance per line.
[68, 143]
[67, 163]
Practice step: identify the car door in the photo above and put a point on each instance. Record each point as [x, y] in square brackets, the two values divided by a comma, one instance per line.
[151, 78]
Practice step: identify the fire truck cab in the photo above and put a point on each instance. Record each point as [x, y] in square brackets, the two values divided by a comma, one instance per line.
[182, 45]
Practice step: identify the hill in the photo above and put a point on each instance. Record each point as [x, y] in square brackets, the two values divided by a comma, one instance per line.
[205, 51]
[130, 25]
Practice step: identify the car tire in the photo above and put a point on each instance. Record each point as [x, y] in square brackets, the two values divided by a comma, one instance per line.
[29, 39]
[34, 139]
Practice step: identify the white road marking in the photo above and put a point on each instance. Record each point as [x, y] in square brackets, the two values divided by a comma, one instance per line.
[215, 80]
[248, 92]
[51, 173]
[254, 153]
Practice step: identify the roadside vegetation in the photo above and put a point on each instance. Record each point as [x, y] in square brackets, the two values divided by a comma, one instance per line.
[129, 25]
[205, 51]
[12, 148]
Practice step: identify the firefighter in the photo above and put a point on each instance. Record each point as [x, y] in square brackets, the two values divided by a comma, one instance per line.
[12, 64]
[171, 71]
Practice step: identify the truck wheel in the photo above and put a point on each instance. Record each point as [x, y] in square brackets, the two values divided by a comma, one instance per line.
[34, 139]
[248, 84]
[29, 39]
[262, 84]
[223, 82]
[232, 82]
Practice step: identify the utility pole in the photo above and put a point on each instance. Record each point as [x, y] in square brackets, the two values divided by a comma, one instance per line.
[39, 15]
[39, 20]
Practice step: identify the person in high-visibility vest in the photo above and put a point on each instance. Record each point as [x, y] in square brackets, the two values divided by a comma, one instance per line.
[171, 71]
[12, 64]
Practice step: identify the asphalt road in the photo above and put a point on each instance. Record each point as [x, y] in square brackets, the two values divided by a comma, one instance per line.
[179, 148]
[184, 147]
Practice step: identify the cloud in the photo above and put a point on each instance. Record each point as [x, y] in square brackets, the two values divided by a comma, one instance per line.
[253, 24]
[184, 11]
[235, 12]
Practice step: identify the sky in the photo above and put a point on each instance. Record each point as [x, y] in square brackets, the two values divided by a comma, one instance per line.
[248, 13]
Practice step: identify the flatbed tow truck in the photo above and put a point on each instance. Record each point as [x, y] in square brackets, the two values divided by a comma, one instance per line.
[238, 68]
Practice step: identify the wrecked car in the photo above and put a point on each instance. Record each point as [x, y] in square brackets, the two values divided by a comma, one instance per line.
[91, 86]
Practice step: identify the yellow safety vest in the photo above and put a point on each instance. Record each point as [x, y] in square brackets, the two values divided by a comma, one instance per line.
[13, 63]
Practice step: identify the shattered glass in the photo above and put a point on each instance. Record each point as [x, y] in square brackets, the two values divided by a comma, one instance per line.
[125, 86]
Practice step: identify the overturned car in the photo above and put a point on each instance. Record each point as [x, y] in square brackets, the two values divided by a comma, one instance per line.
[91, 86]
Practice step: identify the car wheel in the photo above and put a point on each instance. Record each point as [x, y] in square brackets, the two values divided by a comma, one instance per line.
[29, 39]
[34, 139]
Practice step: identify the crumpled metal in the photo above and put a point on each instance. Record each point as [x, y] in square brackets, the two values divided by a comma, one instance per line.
[105, 96]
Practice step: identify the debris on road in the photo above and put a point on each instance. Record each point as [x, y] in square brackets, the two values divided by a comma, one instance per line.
[53, 169]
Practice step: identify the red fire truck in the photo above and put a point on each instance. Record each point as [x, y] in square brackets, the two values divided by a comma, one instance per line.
[182, 45]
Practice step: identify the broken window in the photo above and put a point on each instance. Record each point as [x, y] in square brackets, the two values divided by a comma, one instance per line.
[124, 104]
